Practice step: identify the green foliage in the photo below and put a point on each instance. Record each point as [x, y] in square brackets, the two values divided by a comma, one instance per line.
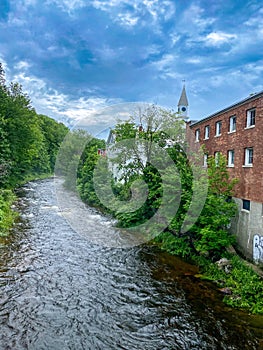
[133, 218]
[125, 130]
[28, 143]
[7, 215]
[87, 164]
[245, 285]
[210, 233]
[25, 138]
[54, 133]
[69, 156]
[174, 245]
[175, 185]
[5, 161]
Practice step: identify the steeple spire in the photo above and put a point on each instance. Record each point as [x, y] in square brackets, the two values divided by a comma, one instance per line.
[183, 103]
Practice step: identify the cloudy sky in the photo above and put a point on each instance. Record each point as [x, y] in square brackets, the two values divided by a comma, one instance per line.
[77, 56]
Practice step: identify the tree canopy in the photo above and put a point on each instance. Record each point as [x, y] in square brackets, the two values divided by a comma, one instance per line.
[160, 186]
[28, 143]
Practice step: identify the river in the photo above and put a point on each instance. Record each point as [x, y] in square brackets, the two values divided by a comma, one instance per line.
[62, 291]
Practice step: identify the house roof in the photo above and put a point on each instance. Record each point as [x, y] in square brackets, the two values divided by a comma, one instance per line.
[248, 99]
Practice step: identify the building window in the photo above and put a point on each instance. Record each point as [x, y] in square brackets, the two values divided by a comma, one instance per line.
[248, 156]
[207, 132]
[218, 128]
[217, 158]
[197, 135]
[205, 160]
[246, 204]
[251, 117]
[231, 158]
[232, 123]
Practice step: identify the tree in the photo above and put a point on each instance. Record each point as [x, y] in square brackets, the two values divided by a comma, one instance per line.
[158, 127]
[198, 208]
[4, 144]
[28, 144]
[54, 134]
[2, 77]
[28, 153]
[148, 154]
[210, 234]
[69, 156]
[87, 163]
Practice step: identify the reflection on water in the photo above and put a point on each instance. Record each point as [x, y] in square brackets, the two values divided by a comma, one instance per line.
[60, 291]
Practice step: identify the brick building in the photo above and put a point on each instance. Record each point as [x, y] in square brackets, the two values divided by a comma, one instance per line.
[237, 133]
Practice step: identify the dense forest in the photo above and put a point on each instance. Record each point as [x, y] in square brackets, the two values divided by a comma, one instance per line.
[29, 143]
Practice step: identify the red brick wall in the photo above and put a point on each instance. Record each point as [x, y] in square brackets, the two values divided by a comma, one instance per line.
[250, 184]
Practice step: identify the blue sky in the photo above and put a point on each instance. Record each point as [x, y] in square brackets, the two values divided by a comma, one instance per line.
[76, 56]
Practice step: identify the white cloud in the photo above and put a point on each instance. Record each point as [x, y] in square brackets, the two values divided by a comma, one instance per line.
[158, 9]
[255, 20]
[174, 37]
[127, 20]
[254, 28]
[14, 21]
[196, 16]
[61, 106]
[68, 5]
[194, 60]
[243, 75]
[164, 63]
[166, 67]
[219, 38]
[22, 65]
[30, 2]
[105, 5]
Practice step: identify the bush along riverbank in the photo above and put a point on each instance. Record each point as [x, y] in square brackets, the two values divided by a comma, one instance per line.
[7, 215]
[234, 277]
[241, 285]
[29, 143]
[207, 240]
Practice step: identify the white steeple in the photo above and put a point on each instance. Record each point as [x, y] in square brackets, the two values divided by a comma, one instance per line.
[183, 104]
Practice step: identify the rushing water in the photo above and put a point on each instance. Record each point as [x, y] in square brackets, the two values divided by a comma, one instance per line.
[61, 291]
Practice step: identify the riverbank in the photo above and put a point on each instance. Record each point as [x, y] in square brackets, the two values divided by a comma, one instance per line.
[240, 282]
[7, 214]
[8, 198]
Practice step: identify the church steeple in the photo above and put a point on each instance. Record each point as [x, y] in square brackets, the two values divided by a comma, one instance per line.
[183, 104]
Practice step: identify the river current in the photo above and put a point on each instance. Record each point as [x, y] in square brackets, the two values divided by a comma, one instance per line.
[62, 291]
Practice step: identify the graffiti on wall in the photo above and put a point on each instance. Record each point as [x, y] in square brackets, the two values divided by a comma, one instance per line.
[258, 248]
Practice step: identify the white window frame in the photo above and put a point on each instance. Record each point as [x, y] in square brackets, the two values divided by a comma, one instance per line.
[251, 118]
[231, 158]
[248, 157]
[197, 135]
[218, 128]
[233, 123]
[207, 132]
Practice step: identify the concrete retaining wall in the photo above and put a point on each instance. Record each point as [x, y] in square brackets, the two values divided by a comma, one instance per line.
[248, 228]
